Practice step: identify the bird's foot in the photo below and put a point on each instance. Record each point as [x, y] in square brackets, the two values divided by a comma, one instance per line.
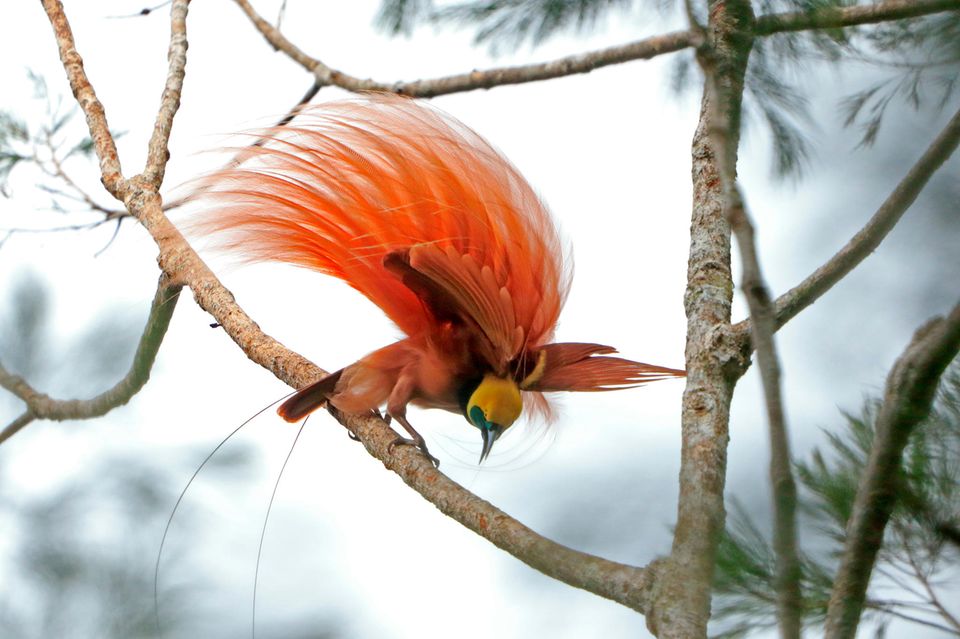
[418, 443]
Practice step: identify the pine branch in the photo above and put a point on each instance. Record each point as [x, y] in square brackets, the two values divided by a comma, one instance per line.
[874, 231]
[838, 17]
[910, 390]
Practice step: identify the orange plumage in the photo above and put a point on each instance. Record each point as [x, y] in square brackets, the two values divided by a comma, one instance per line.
[434, 226]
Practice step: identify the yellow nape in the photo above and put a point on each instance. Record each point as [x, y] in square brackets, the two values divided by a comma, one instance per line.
[499, 399]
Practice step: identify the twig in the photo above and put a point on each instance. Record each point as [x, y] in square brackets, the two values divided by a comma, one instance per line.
[644, 49]
[14, 427]
[570, 65]
[41, 406]
[874, 231]
[932, 598]
[723, 64]
[910, 389]
[157, 151]
[142, 12]
[103, 143]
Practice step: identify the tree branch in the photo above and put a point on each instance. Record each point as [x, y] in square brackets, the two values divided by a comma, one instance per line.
[876, 229]
[473, 80]
[157, 150]
[836, 17]
[42, 406]
[644, 49]
[14, 427]
[910, 390]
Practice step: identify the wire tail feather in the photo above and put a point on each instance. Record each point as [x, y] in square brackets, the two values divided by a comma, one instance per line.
[310, 398]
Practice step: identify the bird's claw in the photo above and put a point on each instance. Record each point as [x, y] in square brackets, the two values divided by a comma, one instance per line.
[420, 444]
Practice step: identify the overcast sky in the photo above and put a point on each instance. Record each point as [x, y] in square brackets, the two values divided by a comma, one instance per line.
[609, 153]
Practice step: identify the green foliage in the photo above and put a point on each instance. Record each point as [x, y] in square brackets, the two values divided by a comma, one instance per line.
[401, 16]
[922, 59]
[501, 24]
[920, 545]
[13, 136]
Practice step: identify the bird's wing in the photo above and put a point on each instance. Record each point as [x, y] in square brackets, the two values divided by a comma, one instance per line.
[587, 367]
[349, 184]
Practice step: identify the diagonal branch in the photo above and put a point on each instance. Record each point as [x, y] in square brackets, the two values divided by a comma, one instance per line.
[41, 406]
[910, 389]
[869, 237]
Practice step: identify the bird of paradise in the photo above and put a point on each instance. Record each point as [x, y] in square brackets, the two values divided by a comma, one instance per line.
[433, 225]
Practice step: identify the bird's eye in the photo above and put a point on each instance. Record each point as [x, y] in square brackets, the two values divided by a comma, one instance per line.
[478, 419]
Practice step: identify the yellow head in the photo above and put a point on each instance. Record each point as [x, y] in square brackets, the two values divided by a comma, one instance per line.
[493, 407]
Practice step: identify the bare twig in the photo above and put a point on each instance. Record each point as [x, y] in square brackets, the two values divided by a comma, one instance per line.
[570, 65]
[157, 151]
[910, 389]
[142, 12]
[14, 427]
[41, 406]
[876, 229]
[924, 580]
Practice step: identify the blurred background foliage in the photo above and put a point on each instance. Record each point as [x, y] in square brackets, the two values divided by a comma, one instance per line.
[921, 550]
[78, 554]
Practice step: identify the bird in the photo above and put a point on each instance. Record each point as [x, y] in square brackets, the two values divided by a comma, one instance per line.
[436, 227]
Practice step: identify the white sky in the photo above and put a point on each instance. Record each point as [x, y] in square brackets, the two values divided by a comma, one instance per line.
[609, 152]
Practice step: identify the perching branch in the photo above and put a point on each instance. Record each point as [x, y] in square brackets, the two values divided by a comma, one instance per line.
[625, 584]
[724, 62]
[41, 406]
[910, 390]
[876, 229]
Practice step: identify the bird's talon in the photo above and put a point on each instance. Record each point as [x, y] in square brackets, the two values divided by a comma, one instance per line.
[419, 445]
